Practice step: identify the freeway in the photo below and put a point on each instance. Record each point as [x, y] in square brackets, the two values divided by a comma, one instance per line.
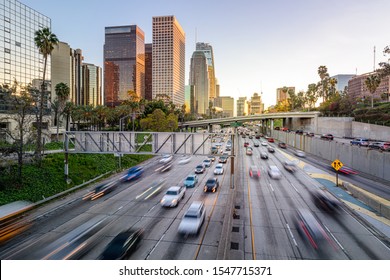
[251, 219]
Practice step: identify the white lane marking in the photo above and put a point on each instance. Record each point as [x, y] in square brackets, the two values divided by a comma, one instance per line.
[156, 190]
[334, 237]
[292, 235]
[271, 188]
[295, 188]
[138, 196]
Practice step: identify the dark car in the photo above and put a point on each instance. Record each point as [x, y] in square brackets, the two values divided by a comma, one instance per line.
[222, 159]
[299, 131]
[324, 200]
[327, 136]
[246, 144]
[263, 155]
[211, 185]
[200, 169]
[309, 134]
[122, 245]
[101, 190]
[282, 145]
[271, 150]
[133, 173]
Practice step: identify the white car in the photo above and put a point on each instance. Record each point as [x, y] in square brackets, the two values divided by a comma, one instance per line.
[166, 159]
[274, 172]
[218, 169]
[299, 153]
[173, 196]
[264, 143]
[184, 160]
[193, 218]
[207, 162]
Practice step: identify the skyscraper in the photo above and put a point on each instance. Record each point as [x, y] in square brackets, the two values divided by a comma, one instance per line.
[208, 51]
[227, 104]
[92, 84]
[168, 59]
[124, 63]
[148, 71]
[199, 78]
[242, 106]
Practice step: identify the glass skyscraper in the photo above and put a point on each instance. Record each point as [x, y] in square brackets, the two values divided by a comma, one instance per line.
[208, 51]
[20, 59]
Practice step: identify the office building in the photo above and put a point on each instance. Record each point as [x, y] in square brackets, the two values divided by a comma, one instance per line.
[358, 90]
[124, 63]
[227, 104]
[208, 51]
[256, 105]
[342, 81]
[148, 71]
[190, 99]
[92, 85]
[242, 106]
[199, 78]
[168, 59]
[282, 93]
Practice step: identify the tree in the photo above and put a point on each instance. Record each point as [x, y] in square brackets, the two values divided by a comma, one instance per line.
[372, 83]
[62, 91]
[45, 42]
[323, 73]
[311, 95]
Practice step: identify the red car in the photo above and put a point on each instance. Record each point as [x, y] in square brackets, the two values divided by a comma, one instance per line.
[271, 140]
[246, 144]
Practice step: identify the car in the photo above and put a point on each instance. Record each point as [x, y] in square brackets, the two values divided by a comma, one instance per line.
[172, 196]
[282, 145]
[218, 169]
[309, 134]
[376, 145]
[164, 167]
[250, 137]
[254, 171]
[191, 181]
[299, 131]
[386, 146]
[200, 169]
[211, 185]
[193, 218]
[271, 149]
[246, 144]
[327, 136]
[249, 151]
[184, 160]
[222, 159]
[263, 155]
[274, 172]
[256, 143]
[360, 142]
[290, 166]
[207, 162]
[263, 143]
[101, 190]
[122, 245]
[214, 150]
[299, 153]
[257, 136]
[324, 200]
[166, 159]
[133, 173]
[271, 140]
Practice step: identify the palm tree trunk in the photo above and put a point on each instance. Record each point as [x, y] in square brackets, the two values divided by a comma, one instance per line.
[38, 151]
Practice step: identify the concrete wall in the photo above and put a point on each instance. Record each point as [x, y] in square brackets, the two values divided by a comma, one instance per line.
[370, 131]
[340, 127]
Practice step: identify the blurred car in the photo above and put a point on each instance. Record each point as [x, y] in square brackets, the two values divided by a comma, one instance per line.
[257, 136]
[173, 196]
[271, 150]
[184, 160]
[290, 166]
[164, 167]
[211, 185]
[282, 145]
[246, 144]
[191, 181]
[386, 146]
[274, 172]
[309, 227]
[249, 151]
[271, 140]
[122, 245]
[263, 155]
[166, 159]
[309, 134]
[299, 131]
[101, 190]
[211, 157]
[214, 150]
[325, 201]
[376, 145]
[222, 159]
[254, 171]
[133, 173]
[263, 143]
[300, 153]
[327, 136]
[360, 142]
[193, 218]
[207, 162]
[218, 169]
[256, 143]
[250, 137]
[200, 169]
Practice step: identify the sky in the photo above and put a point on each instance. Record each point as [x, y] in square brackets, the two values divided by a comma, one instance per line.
[259, 45]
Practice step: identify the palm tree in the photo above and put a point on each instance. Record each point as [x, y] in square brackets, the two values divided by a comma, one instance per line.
[45, 42]
[372, 83]
[62, 91]
[323, 73]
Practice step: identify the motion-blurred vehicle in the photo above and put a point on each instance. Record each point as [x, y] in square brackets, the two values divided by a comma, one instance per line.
[299, 131]
[263, 143]
[376, 145]
[299, 153]
[263, 155]
[173, 196]
[257, 136]
[361, 142]
[309, 227]
[254, 171]
[101, 190]
[290, 166]
[165, 159]
[222, 159]
[327, 136]
[386, 147]
[200, 169]
[246, 144]
[211, 185]
[122, 245]
[309, 134]
[271, 150]
[218, 169]
[282, 145]
[324, 200]
[274, 172]
[191, 181]
[133, 173]
[207, 162]
[256, 143]
[211, 157]
[271, 140]
[249, 151]
[184, 160]
[214, 150]
[193, 219]
[165, 167]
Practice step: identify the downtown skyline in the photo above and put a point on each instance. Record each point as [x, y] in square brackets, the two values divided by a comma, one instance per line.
[258, 46]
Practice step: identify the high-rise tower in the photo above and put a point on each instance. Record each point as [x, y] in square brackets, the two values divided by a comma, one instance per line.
[168, 60]
[208, 51]
[199, 78]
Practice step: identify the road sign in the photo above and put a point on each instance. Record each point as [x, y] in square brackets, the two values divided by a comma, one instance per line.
[336, 164]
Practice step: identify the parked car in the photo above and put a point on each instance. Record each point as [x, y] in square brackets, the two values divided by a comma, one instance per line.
[327, 136]
[122, 245]
[211, 185]
[290, 166]
[218, 169]
[274, 172]
[133, 173]
[173, 196]
[282, 145]
[193, 218]
[254, 171]
[200, 169]
[360, 142]
[271, 149]
[263, 155]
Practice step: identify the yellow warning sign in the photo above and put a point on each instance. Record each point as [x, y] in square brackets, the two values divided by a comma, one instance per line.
[336, 164]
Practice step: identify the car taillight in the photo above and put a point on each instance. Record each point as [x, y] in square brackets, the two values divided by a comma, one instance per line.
[258, 173]
[250, 173]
